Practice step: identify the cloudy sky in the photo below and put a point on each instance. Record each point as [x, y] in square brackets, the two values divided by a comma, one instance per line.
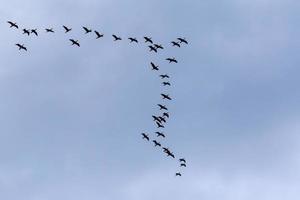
[71, 118]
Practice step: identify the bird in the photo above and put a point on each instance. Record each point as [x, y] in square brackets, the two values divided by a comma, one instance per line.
[21, 46]
[178, 174]
[162, 119]
[49, 30]
[87, 30]
[182, 160]
[162, 76]
[166, 96]
[155, 118]
[182, 165]
[152, 48]
[75, 42]
[162, 107]
[25, 31]
[166, 83]
[158, 46]
[133, 40]
[145, 136]
[159, 125]
[34, 31]
[116, 38]
[172, 60]
[160, 134]
[175, 43]
[154, 67]
[98, 34]
[182, 40]
[13, 24]
[170, 154]
[67, 29]
[147, 39]
[166, 114]
[166, 149]
[156, 143]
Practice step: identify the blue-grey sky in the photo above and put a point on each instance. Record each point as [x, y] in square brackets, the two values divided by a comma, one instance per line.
[71, 118]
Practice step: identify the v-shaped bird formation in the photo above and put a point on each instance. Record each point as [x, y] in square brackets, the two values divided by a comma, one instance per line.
[160, 120]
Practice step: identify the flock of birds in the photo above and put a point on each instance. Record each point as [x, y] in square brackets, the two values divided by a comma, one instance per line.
[159, 120]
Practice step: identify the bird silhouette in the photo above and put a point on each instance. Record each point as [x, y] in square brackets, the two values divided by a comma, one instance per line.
[158, 46]
[145, 136]
[166, 114]
[133, 40]
[172, 60]
[116, 38]
[34, 31]
[169, 153]
[147, 39]
[160, 134]
[67, 29]
[49, 30]
[25, 31]
[75, 42]
[165, 149]
[178, 174]
[21, 46]
[159, 125]
[164, 76]
[13, 24]
[156, 143]
[154, 67]
[166, 83]
[182, 40]
[152, 48]
[98, 35]
[182, 165]
[155, 118]
[162, 119]
[182, 160]
[87, 30]
[166, 96]
[162, 107]
[175, 44]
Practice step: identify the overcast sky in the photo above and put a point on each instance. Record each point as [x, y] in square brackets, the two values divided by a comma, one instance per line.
[71, 118]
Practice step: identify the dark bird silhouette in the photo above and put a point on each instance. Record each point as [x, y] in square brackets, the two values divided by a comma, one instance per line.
[145, 136]
[25, 31]
[175, 44]
[155, 118]
[162, 119]
[165, 114]
[164, 76]
[170, 154]
[156, 143]
[182, 165]
[67, 29]
[152, 48]
[21, 46]
[158, 46]
[182, 40]
[34, 31]
[75, 42]
[154, 67]
[12, 24]
[166, 149]
[159, 125]
[178, 174]
[172, 60]
[133, 40]
[116, 38]
[147, 39]
[166, 83]
[182, 160]
[49, 30]
[165, 96]
[162, 107]
[160, 134]
[98, 35]
[87, 30]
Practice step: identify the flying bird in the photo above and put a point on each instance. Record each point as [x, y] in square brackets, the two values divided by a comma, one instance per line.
[164, 76]
[155, 118]
[166, 149]
[165, 96]
[154, 67]
[162, 107]
[12, 24]
[67, 29]
[162, 119]
[116, 38]
[87, 30]
[182, 160]
[34, 31]
[156, 143]
[170, 154]
[147, 39]
[182, 40]
[166, 114]
[145, 136]
[178, 174]
[25, 31]
[172, 60]
[158, 46]
[133, 40]
[152, 48]
[159, 125]
[182, 165]
[75, 42]
[21, 46]
[175, 43]
[160, 134]
[98, 34]
[49, 30]
[166, 83]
